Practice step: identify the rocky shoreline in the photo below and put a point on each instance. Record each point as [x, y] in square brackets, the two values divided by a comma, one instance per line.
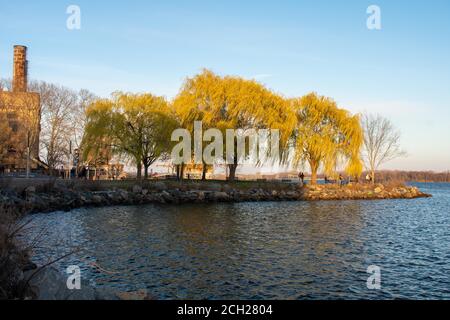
[30, 200]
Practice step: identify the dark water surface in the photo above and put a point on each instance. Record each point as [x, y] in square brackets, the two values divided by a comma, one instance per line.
[292, 250]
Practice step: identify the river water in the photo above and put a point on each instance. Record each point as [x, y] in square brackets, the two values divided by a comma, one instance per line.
[291, 250]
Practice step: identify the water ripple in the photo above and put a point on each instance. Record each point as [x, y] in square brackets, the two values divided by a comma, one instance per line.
[306, 250]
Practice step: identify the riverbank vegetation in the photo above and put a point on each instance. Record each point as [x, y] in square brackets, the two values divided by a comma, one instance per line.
[14, 257]
[314, 130]
[384, 176]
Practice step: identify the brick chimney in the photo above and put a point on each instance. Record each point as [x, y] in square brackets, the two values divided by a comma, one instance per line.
[20, 75]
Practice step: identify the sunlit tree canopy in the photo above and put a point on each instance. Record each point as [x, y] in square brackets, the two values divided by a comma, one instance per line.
[325, 134]
[233, 103]
[137, 125]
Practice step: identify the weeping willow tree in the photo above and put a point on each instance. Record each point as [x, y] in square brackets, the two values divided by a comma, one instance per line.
[135, 125]
[250, 105]
[325, 134]
[196, 102]
[97, 140]
[233, 103]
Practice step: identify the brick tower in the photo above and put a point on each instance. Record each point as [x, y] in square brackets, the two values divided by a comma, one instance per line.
[20, 75]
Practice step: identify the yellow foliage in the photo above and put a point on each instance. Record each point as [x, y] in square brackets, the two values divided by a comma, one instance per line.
[320, 133]
[137, 125]
[326, 133]
[233, 103]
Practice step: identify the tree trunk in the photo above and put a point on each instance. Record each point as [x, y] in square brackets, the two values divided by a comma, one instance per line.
[314, 177]
[178, 171]
[314, 168]
[373, 176]
[182, 172]
[146, 171]
[233, 168]
[204, 170]
[232, 174]
[139, 171]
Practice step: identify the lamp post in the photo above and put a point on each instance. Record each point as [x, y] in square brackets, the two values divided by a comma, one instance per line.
[69, 164]
[28, 154]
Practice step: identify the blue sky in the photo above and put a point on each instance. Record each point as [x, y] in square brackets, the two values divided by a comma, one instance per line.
[401, 71]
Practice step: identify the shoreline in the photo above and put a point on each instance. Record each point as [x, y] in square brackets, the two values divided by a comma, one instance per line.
[45, 199]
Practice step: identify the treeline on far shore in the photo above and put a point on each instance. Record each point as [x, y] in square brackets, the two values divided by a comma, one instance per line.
[413, 176]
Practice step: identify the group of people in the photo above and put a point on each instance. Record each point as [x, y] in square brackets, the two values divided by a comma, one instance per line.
[341, 180]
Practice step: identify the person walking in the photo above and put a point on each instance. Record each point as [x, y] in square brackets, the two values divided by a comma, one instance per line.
[301, 176]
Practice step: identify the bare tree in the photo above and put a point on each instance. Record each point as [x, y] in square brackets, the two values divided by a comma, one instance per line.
[84, 99]
[381, 142]
[62, 120]
[57, 110]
